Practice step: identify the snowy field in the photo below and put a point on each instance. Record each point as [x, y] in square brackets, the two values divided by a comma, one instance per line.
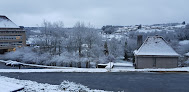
[118, 64]
[11, 84]
[15, 63]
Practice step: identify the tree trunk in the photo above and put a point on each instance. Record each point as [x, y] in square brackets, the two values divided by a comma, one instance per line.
[87, 64]
[79, 51]
[59, 49]
[70, 64]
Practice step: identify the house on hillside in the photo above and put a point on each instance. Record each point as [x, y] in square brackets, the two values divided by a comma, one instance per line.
[155, 53]
[11, 35]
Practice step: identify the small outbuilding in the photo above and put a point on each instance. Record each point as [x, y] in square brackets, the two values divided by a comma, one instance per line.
[155, 52]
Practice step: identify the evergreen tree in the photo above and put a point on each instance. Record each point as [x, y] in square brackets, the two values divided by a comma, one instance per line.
[183, 23]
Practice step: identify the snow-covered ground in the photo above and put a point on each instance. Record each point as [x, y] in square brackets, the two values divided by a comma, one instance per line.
[110, 36]
[146, 31]
[119, 63]
[12, 63]
[7, 86]
[127, 64]
[126, 67]
[32, 86]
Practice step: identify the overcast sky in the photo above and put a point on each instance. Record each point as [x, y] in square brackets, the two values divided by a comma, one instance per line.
[97, 12]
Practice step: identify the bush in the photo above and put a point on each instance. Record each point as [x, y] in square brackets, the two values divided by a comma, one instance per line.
[73, 87]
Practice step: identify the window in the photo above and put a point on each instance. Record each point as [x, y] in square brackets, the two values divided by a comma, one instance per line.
[10, 37]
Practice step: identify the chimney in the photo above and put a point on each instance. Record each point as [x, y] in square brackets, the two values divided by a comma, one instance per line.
[139, 41]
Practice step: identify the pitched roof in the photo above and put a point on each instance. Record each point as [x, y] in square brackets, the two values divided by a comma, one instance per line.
[156, 45]
[6, 22]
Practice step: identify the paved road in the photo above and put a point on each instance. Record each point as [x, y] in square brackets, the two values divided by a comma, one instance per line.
[129, 82]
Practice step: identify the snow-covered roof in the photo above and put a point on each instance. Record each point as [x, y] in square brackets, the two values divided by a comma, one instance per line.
[187, 54]
[147, 30]
[6, 22]
[180, 26]
[156, 45]
[184, 42]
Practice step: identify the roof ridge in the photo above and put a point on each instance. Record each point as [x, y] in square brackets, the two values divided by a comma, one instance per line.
[154, 50]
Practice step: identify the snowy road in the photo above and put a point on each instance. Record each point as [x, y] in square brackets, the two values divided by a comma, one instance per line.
[129, 82]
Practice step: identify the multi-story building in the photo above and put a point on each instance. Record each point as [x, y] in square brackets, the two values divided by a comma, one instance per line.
[11, 35]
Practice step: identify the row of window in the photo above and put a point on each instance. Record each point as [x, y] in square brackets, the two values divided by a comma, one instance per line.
[10, 42]
[2, 44]
[5, 45]
[11, 31]
[10, 37]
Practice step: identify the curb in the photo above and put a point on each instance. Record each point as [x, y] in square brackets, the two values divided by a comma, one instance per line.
[168, 71]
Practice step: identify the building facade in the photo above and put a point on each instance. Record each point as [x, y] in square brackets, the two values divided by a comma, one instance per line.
[155, 53]
[11, 36]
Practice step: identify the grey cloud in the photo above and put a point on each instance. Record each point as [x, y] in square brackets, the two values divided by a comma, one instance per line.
[98, 12]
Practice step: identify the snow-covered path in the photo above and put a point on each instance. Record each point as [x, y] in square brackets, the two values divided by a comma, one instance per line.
[183, 69]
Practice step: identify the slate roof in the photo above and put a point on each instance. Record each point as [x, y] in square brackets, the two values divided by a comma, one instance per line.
[156, 46]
